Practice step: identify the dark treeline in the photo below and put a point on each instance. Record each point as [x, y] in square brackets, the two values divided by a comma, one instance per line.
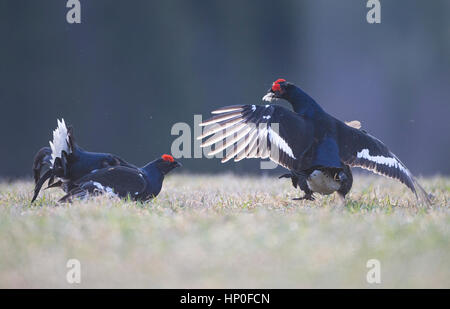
[132, 69]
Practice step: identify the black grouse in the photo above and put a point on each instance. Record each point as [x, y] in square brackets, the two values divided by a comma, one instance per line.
[139, 184]
[315, 147]
[66, 162]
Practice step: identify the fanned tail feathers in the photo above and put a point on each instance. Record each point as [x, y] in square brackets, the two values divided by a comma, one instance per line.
[60, 141]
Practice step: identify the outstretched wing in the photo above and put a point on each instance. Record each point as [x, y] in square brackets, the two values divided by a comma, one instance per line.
[121, 181]
[269, 131]
[357, 148]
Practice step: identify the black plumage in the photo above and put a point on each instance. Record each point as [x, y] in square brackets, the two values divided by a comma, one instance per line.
[315, 147]
[137, 183]
[64, 161]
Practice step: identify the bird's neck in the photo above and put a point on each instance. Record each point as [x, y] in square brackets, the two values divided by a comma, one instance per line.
[154, 178]
[303, 104]
[152, 170]
[153, 173]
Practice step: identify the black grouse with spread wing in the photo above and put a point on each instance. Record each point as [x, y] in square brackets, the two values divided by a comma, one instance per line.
[315, 147]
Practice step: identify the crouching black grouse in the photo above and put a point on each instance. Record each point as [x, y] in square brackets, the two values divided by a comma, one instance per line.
[317, 148]
[65, 162]
[139, 184]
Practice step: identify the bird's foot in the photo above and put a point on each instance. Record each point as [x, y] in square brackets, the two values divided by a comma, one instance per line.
[307, 197]
[286, 176]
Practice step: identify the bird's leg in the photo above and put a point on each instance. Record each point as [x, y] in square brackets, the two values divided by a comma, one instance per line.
[293, 177]
[308, 196]
[346, 179]
[301, 180]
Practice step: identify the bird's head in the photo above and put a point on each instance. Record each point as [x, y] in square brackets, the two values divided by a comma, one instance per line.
[280, 90]
[167, 163]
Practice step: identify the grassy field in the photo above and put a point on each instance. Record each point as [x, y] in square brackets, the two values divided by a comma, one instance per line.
[227, 231]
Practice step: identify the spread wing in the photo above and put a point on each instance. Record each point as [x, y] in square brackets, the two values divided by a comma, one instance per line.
[251, 131]
[357, 148]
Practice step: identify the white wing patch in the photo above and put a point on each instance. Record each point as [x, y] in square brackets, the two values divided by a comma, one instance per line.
[280, 143]
[60, 141]
[391, 162]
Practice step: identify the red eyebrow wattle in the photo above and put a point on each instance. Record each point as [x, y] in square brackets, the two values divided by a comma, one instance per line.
[276, 84]
[167, 157]
[276, 87]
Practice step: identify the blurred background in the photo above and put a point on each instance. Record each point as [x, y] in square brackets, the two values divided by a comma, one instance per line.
[132, 69]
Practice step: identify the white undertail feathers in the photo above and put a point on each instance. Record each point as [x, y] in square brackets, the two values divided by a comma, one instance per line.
[60, 141]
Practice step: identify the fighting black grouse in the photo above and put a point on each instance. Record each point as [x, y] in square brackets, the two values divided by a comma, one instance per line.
[139, 184]
[66, 162]
[315, 147]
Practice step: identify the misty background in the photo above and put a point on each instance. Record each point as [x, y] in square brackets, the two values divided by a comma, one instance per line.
[132, 69]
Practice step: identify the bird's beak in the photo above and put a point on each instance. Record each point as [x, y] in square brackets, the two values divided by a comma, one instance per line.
[178, 164]
[270, 96]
